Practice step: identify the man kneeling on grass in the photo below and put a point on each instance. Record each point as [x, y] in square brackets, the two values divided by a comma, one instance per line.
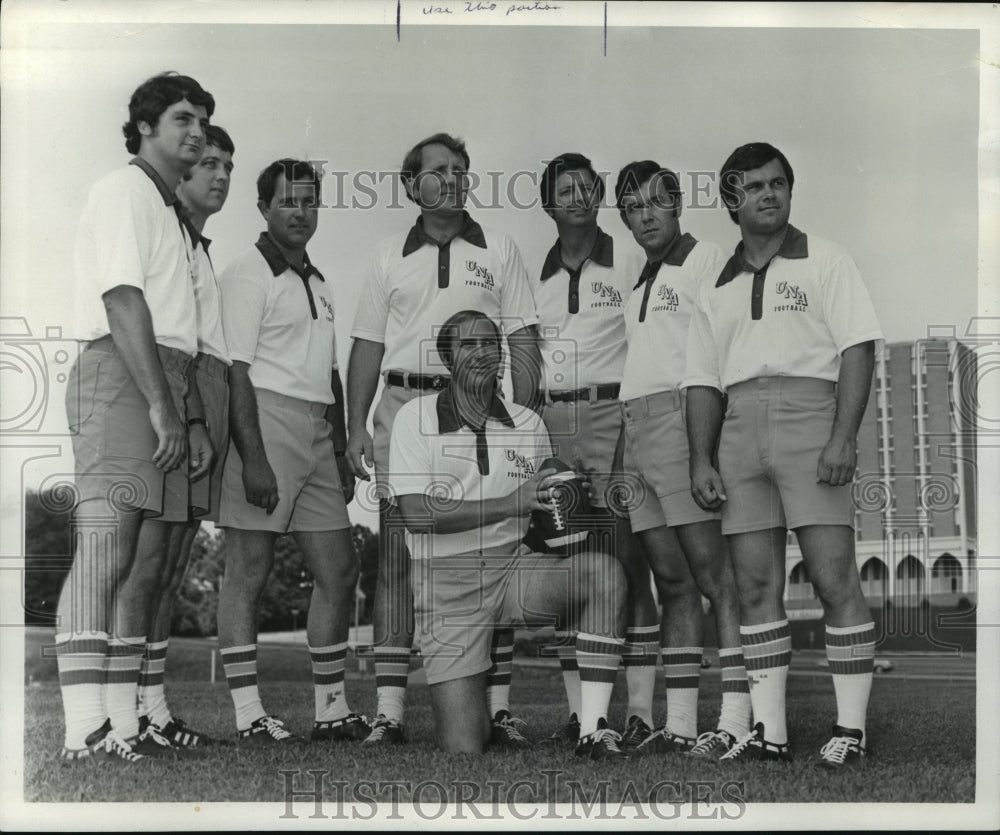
[464, 474]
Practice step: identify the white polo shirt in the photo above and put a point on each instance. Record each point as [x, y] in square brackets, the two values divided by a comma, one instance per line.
[793, 317]
[431, 454]
[658, 313]
[413, 285]
[581, 327]
[131, 234]
[280, 321]
[208, 300]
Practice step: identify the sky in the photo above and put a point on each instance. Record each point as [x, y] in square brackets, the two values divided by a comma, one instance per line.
[879, 108]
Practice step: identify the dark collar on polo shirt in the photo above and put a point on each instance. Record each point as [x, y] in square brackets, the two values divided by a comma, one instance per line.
[449, 421]
[418, 237]
[196, 237]
[675, 256]
[795, 245]
[278, 264]
[169, 198]
[602, 252]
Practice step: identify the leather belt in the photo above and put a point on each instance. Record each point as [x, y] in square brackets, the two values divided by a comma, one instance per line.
[403, 379]
[604, 391]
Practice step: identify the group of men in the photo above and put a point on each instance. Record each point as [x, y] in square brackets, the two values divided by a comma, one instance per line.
[712, 405]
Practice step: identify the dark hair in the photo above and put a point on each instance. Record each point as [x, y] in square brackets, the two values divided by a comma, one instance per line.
[294, 170]
[560, 165]
[449, 333]
[633, 175]
[154, 96]
[747, 158]
[414, 157]
[216, 137]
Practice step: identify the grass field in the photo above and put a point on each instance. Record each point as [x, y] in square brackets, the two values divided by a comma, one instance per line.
[922, 744]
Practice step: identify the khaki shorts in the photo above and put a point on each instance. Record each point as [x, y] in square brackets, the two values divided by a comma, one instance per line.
[389, 404]
[211, 375]
[772, 436]
[586, 432]
[299, 444]
[656, 460]
[458, 601]
[113, 439]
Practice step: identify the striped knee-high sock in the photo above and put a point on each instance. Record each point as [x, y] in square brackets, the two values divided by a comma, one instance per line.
[499, 674]
[328, 681]
[123, 660]
[642, 650]
[597, 658]
[240, 664]
[851, 653]
[681, 674]
[570, 672]
[767, 651]
[735, 716]
[80, 659]
[392, 667]
[152, 698]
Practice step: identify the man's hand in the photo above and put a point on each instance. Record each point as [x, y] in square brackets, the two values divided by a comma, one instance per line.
[360, 450]
[172, 436]
[346, 478]
[201, 452]
[837, 462]
[532, 494]
[706, 487]
[260, 484]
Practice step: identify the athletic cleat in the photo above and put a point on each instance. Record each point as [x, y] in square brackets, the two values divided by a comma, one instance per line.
[712, 744]
[151, 743]
[754, 748]
[662, 741]
[505, 732]
[636, 733]
[103, 746]
[844, 750]
[385, 731]
[266, 730]
[177, 731]
[86, 755]
[565, 735]
[602, 744]
[349, 728]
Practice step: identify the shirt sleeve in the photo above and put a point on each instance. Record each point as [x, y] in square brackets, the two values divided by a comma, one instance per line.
[517, 304]
[702, 362]
[410, 466]
[847, 307]
[373, 307]
[123, 221]
[244, 300]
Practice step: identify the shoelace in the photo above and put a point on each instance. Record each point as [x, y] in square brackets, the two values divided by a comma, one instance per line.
[658, 734]
[152, 732]
[608, 738]
[512, 726]
[837, 749]
[114, 744]
[275, 727]
[739, 746]
[707, 741]
[635, 730]
[379, 729]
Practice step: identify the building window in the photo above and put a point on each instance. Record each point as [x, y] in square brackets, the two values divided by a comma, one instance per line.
[946, 575]
[873, 577]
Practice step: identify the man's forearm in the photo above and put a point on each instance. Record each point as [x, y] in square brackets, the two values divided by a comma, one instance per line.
[244, 423]
[853, 387]
[704, 420]
[526, 367]
[419, 514]
[131, 328]
[362, 381]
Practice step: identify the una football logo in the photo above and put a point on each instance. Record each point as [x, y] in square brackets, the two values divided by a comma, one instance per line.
[791, 292]
[667, 295]
[524, 466]
[608, 295]
[484, 276]
[328, 307]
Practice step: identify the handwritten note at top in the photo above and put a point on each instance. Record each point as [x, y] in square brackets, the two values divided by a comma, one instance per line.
[502, 8]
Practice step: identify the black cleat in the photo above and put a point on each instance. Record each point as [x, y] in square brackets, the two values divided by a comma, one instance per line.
[349, 728]
[385, 731]
[505, 732]
[754, 748]
[602, 744]
[636, 733]
[843, 751]
[266, 730]
[711, 745]
[565, 735]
